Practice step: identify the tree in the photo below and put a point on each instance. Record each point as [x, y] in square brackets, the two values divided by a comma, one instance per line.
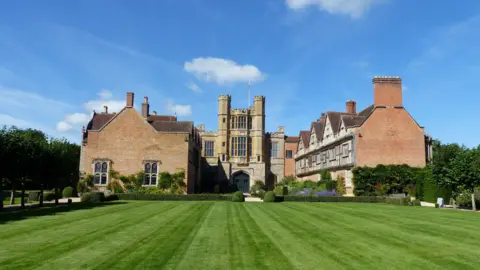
[464, 172]
[443, 156]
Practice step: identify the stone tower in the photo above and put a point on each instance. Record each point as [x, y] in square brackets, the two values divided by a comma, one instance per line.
[221, 145]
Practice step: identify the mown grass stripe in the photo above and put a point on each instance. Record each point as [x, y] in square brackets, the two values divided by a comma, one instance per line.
[26, 255]
[117, 244]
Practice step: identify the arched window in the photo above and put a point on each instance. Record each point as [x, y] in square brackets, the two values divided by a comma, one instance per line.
[100, 174]
[151, 174]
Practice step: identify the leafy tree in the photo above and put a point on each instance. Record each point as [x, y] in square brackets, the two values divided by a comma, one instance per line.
[464, 172]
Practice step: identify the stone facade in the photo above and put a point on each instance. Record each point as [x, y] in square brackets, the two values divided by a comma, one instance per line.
[240, 147]
[383, 133]
[127, 141]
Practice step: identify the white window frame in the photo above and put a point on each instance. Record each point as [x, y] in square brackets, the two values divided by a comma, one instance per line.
[274, 150]
[101, 173]
[346, 149]
[212, 144]
[150, 174]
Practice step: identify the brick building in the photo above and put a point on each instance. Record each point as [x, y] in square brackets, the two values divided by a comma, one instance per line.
[129, 142]
[291, 145]
[382, 133]
[241, 152]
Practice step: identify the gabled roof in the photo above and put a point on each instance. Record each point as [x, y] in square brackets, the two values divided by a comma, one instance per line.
[352, 120]
[169, 126]
[367, 111]
[99, 120]
[152, 118]
[319, 127]
[305, 134]
[335, 120]
[292, 139]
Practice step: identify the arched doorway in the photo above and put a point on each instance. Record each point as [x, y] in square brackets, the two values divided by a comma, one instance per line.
[242, 181]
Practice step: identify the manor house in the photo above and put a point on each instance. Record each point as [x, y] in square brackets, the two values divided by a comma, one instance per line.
[382, 133]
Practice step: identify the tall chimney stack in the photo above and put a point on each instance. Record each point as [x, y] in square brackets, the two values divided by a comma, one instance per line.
[351, 107]
[129, 99]
[105, 109]
[387, 91]
[145, 108]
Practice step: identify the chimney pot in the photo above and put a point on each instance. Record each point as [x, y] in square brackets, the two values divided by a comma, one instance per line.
[130, 97]
[145, 100]
[351, 107]
[154, 113]
[145, 108]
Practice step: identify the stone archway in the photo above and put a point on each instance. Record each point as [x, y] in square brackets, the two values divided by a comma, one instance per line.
[242, 180]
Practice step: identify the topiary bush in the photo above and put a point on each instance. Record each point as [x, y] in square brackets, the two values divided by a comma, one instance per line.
[280, 191]
[92, 197]
[48, 196]
[67, 192]
[33, 196]
[238, 197]
[269, 197]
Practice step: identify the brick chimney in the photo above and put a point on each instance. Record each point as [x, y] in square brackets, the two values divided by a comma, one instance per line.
[351, 106]
[387, 91]
[145, 108]
[105, 109]
[129, 99]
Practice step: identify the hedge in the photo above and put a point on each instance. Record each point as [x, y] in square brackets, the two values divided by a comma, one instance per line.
[359, 199]
[398, 201]
[92, 197]
[174, 197]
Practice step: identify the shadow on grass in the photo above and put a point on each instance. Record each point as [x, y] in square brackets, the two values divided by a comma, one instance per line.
[16, 214]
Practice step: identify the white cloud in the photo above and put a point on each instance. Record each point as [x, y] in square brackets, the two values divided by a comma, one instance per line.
[97, 105]
[26, 99]
[77, 118]
[223, 71]
[194, 87]
[63, 126]
[179, 110]
[105, 93]
[353, 8]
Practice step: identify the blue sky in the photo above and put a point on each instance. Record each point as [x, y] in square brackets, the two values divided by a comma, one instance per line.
[59, 60]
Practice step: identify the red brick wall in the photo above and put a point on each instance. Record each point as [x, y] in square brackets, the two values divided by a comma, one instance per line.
[289, 167]
[390, 136]
[129, 139]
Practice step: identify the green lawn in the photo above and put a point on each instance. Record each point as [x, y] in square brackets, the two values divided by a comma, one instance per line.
[225, 235]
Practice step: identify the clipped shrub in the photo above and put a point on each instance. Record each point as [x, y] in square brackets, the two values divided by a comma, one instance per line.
[174, 197]
[280, 191]
[357, 199]
[48, 196]
[33, 196]
[261, 193]
[340, 185]
[238, 197]
[67, 192]
[269, 197]
[397, 201]
[111, 197]
[92, 197]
